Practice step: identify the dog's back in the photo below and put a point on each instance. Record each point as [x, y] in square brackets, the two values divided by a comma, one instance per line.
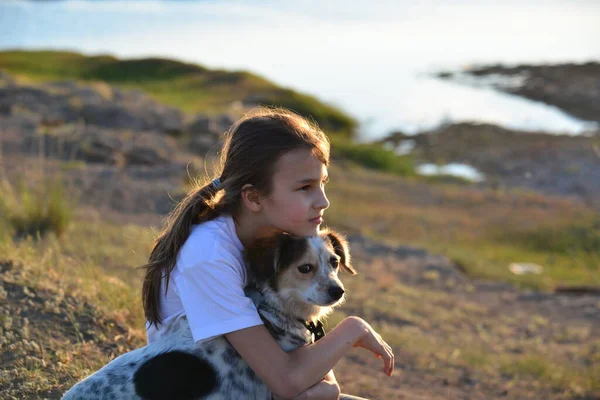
[174, 368]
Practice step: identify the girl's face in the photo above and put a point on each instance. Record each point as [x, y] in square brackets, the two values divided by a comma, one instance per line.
[297, 201]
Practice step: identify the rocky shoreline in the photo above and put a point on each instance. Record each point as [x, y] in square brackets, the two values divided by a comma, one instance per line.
[553, 164]
[574, 88]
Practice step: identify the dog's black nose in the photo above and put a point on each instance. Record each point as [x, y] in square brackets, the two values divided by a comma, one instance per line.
[335, 292]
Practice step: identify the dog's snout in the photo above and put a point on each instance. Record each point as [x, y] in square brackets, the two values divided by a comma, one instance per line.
[336, 292]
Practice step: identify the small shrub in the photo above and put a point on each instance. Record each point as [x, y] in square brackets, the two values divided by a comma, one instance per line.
[31, 210]
[373, 156]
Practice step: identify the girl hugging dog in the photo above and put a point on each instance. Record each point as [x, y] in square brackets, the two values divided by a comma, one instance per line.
[216, 327]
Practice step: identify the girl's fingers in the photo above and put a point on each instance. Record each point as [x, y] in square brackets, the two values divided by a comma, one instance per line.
[388, 365]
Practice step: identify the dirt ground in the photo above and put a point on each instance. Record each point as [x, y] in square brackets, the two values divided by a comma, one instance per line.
[37, 322]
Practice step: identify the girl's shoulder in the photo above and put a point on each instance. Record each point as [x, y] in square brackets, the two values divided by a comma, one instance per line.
[211, 240]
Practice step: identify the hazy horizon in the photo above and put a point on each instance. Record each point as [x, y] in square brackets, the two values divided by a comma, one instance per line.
[374, 61]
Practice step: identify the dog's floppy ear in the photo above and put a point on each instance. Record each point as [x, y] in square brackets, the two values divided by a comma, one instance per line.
[267, 255]
[341, 248]
[260, 258]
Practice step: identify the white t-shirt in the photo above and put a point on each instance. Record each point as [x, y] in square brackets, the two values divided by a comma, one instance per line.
[207, 284]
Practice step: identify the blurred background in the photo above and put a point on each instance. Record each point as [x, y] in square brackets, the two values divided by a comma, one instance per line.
[466, 173]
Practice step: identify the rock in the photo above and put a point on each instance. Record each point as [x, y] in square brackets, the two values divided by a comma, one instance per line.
[214, 126]
[145, 156]
[202, 144]
[575, 88]
[201, 125]
[97, 145]
[99, 149]
[112, 116]
[97, 104]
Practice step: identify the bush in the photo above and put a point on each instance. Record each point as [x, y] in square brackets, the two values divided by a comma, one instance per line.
[34, 209]
[373, 156]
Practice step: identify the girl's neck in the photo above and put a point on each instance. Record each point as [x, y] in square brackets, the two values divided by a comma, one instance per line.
[249, 227]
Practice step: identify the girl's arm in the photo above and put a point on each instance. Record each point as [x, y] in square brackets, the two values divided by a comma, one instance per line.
[289, 374]
[327, 389]
[323, 390]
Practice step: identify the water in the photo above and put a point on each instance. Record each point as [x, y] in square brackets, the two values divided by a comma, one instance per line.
[372, 59]
[455, 169]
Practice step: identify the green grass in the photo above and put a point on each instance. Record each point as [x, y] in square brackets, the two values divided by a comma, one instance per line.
[575, 238]
[190, 87]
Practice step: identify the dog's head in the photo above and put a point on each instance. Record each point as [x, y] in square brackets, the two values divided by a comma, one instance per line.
[302, 272]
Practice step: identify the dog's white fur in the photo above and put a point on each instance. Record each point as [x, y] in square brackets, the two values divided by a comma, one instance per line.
[292, 280]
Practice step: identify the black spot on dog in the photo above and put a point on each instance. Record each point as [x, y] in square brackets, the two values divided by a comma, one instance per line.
[175, 375]
[131, 365]
[275, 331]
[230, 356]
[115, 379]
[250, 373]
[210, 349]
[95, 387]
[231, 376]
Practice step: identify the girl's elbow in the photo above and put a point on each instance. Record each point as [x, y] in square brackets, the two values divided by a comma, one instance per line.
[286, 386]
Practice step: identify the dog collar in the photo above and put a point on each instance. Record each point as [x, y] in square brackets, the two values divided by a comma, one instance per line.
[316, 329]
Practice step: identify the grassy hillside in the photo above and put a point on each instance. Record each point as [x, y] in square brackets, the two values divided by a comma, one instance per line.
[190, 87]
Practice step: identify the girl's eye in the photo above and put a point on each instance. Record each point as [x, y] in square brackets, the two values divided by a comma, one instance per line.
[334, 262]
[305, 188]
[305, 268]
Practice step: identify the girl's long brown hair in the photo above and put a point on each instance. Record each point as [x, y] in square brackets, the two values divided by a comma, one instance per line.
[251, 149]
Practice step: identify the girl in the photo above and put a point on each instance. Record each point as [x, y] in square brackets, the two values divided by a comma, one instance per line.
[274, 168]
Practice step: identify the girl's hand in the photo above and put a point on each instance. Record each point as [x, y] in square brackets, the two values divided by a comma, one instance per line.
[371, 340]
[330, 377]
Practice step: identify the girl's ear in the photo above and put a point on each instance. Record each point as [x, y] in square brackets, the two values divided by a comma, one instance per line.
[342, 249]
[251, 198]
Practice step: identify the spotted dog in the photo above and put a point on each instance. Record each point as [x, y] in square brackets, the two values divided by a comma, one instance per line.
[292, 281]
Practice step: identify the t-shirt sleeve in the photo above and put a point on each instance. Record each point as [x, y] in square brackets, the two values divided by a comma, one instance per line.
[213, 298]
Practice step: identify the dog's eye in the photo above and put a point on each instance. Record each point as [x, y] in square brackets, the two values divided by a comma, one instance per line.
[305, 268]
[334, 262]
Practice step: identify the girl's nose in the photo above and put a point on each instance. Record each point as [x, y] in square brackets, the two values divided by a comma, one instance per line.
[322, 203]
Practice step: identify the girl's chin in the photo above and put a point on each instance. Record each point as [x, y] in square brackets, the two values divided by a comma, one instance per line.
[310, 231]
